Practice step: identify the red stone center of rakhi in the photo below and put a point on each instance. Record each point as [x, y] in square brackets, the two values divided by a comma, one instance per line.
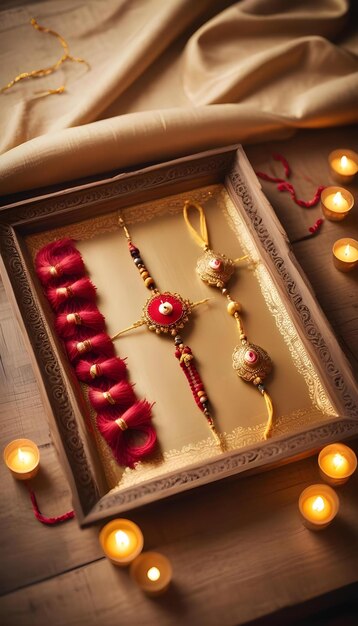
[159, 318]
[251, 357]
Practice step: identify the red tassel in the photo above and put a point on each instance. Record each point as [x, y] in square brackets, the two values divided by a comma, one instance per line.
[57, 260]
[82, 288]
[84, 319]
[88, 371]
[120, 438]
[120, 395]
[100, 344]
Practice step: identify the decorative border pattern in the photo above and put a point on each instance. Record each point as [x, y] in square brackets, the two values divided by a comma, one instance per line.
[50, 370]
[227, 465]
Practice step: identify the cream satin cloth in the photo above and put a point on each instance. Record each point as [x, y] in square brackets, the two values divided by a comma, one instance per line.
[167, 78]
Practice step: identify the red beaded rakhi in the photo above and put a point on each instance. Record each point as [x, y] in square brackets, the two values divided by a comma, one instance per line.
[166, 312]
[251, 362]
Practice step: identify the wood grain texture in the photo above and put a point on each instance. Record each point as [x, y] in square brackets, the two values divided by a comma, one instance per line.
[238, 548]
[228, 560]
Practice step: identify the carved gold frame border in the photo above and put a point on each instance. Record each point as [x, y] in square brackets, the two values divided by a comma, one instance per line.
[21, 218]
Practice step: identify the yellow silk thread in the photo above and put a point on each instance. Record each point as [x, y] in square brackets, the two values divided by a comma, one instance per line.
[202, 237]
[269, 423]
[45, 71]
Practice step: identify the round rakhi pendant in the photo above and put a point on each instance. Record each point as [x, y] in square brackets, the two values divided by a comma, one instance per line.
[215, 269]
[166, 312]
[251, 363]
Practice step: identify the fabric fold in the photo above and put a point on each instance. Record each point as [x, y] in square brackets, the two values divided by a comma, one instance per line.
[168, 79]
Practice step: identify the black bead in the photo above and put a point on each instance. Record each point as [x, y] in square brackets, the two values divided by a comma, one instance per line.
[134, 252]
[151, 287]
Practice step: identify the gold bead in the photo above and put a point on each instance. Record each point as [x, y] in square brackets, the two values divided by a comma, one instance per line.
[201, 393]
[149, 281]
[144, 275]
[233, 307]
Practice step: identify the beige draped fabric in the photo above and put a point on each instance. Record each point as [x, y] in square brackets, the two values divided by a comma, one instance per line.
[167, 78]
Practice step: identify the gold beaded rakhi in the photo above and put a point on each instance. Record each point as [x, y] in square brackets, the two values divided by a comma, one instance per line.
[251, 362]
[167, 312]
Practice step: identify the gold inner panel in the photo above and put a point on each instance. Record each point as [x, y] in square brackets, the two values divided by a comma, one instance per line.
[158, 230]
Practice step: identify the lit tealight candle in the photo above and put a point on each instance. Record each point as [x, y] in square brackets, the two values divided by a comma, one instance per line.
[152, 572]
[318, 505]
[345, 254]
[22, 457]
[121, 541]
[343, 164]
[337, 463]
[336, 203]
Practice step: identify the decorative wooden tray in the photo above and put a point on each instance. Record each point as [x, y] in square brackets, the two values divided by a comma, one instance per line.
[312, 385]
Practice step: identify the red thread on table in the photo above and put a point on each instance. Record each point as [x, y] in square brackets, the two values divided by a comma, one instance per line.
[316, 226]
[279, 157]
[283, 185]
[78, 320]
[49, 521]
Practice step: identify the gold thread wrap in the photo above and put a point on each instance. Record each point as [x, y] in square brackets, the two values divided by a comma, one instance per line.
[121, 423]
[74, 318]
[107, 396]
[94, 370]
[54, 271]
[84, 346]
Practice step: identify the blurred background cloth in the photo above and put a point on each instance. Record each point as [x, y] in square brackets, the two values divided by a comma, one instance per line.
[167, 78]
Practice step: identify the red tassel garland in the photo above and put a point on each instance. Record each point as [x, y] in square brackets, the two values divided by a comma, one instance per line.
[82, 288]
[119, 433]
[120, 395]
[83, 319]
[112, 369]
[100, 344]
[57, 260]
[78, 321]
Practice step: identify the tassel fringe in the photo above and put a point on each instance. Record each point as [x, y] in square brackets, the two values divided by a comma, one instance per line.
[124, 421]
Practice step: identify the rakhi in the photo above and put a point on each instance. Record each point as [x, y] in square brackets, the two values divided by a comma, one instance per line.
[120, 415]
[167, 312]
[251, 362]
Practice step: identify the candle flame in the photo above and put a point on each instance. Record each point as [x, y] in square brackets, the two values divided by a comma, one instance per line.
[153, 574]
[344, 161]
[347, 250]
[21, 455]
[338, 460]
[337, 198]
[122, 539]
[318, 504]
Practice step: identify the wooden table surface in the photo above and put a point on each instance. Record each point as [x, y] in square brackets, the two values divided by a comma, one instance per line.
[238, 548]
